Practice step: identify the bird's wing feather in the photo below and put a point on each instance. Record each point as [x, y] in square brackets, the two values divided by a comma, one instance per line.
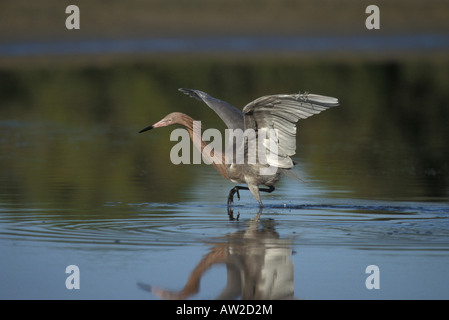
[231, 116]
[281, 112]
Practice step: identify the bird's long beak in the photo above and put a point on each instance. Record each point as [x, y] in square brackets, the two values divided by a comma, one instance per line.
[161, 123]
[146, 129]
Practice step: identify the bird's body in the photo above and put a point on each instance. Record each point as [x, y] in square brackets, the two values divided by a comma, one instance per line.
[272, 119]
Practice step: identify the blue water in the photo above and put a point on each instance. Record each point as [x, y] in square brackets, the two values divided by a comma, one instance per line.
[314, 239]
[306, 44]
[320, 246]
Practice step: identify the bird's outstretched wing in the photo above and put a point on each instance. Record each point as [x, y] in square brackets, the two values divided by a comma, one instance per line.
[231, 116]
[281, 112]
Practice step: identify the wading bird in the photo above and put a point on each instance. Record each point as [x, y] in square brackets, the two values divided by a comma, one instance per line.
[274, 115]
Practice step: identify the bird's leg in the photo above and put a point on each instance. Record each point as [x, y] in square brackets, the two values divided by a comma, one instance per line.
[255, 191]
[269, 190]
[234, 191]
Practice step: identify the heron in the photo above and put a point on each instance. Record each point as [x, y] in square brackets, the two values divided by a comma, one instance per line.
[274, 115]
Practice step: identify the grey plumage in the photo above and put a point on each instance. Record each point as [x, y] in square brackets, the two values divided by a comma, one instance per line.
[281, 112]
[231, 116]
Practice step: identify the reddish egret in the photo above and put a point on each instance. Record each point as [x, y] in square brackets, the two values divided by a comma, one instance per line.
[279, 112]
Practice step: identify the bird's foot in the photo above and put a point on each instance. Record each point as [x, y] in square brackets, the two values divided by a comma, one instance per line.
[231, 195]
[238, 194]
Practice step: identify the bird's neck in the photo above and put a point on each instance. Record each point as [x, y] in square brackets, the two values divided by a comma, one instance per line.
[214, 157]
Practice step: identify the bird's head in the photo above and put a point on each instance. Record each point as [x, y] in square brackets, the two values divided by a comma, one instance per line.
[168, 120]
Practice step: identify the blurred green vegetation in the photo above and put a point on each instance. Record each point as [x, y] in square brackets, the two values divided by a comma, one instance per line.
[69, 134]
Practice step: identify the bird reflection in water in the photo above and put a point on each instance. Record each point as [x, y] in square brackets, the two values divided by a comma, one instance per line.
[258, 264]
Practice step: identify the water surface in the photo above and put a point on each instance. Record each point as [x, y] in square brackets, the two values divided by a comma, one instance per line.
[319, 247]
[79, 185]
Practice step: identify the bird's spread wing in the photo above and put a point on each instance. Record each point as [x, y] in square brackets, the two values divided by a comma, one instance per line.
[281, 112]
[231, 116]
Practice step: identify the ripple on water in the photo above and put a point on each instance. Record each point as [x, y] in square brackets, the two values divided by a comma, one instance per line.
[159, 224]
